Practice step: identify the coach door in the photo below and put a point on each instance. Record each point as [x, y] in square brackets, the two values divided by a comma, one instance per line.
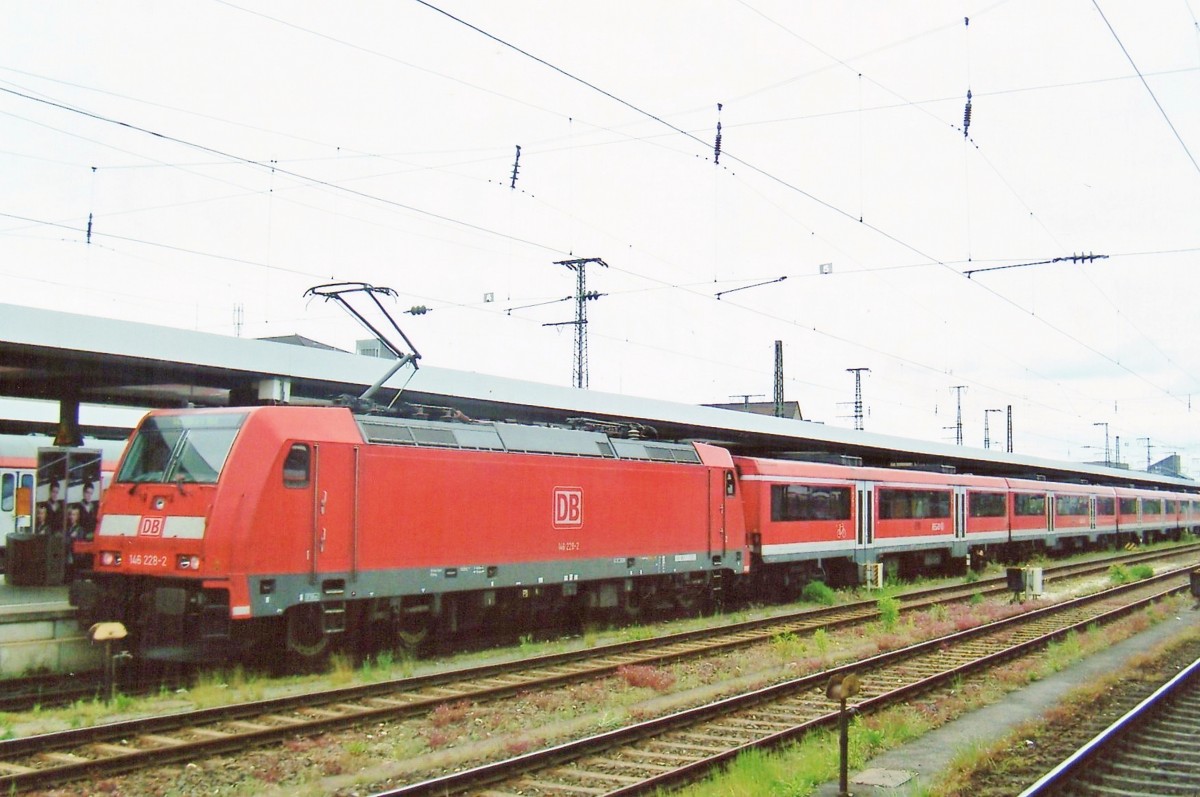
[334, 512]
[960, 513]
[864, 515]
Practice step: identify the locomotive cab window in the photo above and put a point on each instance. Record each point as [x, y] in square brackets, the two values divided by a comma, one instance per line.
[181, 448]
[296, 466]
[7, 492]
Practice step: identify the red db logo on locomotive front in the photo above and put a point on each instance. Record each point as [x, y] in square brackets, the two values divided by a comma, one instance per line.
[151, 526]
[568, 507]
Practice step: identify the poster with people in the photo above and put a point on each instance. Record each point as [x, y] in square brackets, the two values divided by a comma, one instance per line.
[66, 499]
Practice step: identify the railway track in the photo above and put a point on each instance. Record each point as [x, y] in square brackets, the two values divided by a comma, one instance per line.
[104, 750]
[49, 690]
[1153, 749]
[686, 746]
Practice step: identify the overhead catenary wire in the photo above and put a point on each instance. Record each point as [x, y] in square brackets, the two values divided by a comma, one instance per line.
[298, 175]
[787, 184]
[599, 224]
[269, 166]
[364, 195]
[1149, 90]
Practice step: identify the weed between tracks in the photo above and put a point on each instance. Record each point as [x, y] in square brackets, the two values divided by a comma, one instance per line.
[463, 733]
[798, 769]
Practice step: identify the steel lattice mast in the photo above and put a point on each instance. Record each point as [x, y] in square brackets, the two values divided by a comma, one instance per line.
[579, 266]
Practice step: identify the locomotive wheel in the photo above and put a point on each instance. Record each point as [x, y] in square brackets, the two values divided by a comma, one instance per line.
[305, 632]
[412, 631]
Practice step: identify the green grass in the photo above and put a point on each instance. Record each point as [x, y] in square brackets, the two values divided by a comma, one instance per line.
[889, 612]
[789, 647]
[797, 769]
[819, 592]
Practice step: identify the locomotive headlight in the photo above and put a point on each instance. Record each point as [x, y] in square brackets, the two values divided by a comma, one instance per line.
[159, 503]
[110, 558]
[186, 562]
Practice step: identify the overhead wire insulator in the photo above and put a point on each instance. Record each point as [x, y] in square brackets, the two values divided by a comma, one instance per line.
[717, 143]
[419, 309]
[967, 115]
[516, 168]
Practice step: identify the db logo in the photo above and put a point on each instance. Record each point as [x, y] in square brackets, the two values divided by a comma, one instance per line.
[568, 507]
[151, 526]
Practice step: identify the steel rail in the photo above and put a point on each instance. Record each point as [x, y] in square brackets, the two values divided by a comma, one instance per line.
[1131, 725]
[26, 692]
[519, 768]
[420, 695]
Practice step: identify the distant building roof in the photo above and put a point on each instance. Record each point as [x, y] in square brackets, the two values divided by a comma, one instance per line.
[1168, 466]
[300, 340]
[791, 409]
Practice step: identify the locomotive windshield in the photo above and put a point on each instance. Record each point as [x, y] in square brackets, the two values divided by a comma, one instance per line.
[181, 448]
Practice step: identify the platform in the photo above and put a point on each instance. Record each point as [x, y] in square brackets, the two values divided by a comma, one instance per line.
[39, 633]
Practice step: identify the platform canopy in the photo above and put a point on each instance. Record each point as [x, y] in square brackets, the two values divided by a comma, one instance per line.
[77, 359]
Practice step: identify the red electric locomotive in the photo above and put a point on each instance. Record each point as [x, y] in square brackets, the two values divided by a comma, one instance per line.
[295, 526]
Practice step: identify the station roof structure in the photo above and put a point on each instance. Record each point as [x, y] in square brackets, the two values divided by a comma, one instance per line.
[72, 358]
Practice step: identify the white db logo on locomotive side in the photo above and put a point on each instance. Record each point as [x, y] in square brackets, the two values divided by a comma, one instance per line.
[568, 507]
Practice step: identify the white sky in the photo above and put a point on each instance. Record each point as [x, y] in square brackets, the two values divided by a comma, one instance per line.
[393, 129]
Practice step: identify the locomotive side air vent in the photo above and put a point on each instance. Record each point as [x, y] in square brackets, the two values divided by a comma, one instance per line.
[664, 454]
[553, 440]
[434, 437]
[430, 433]
[519, 438]
[657, 452]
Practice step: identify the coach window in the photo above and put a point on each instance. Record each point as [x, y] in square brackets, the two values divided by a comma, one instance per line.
[1067, 505]
[296, 466]
[805, 502]
[895, 504]
[988, 505]
[1029, 505]
[7, 490]
[1128, 506]
[1105, 506]
[1152, 506]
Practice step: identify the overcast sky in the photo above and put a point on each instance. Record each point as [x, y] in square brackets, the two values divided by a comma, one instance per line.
[233, 154]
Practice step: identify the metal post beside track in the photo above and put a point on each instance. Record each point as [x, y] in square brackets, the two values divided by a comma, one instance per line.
[841, 688]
